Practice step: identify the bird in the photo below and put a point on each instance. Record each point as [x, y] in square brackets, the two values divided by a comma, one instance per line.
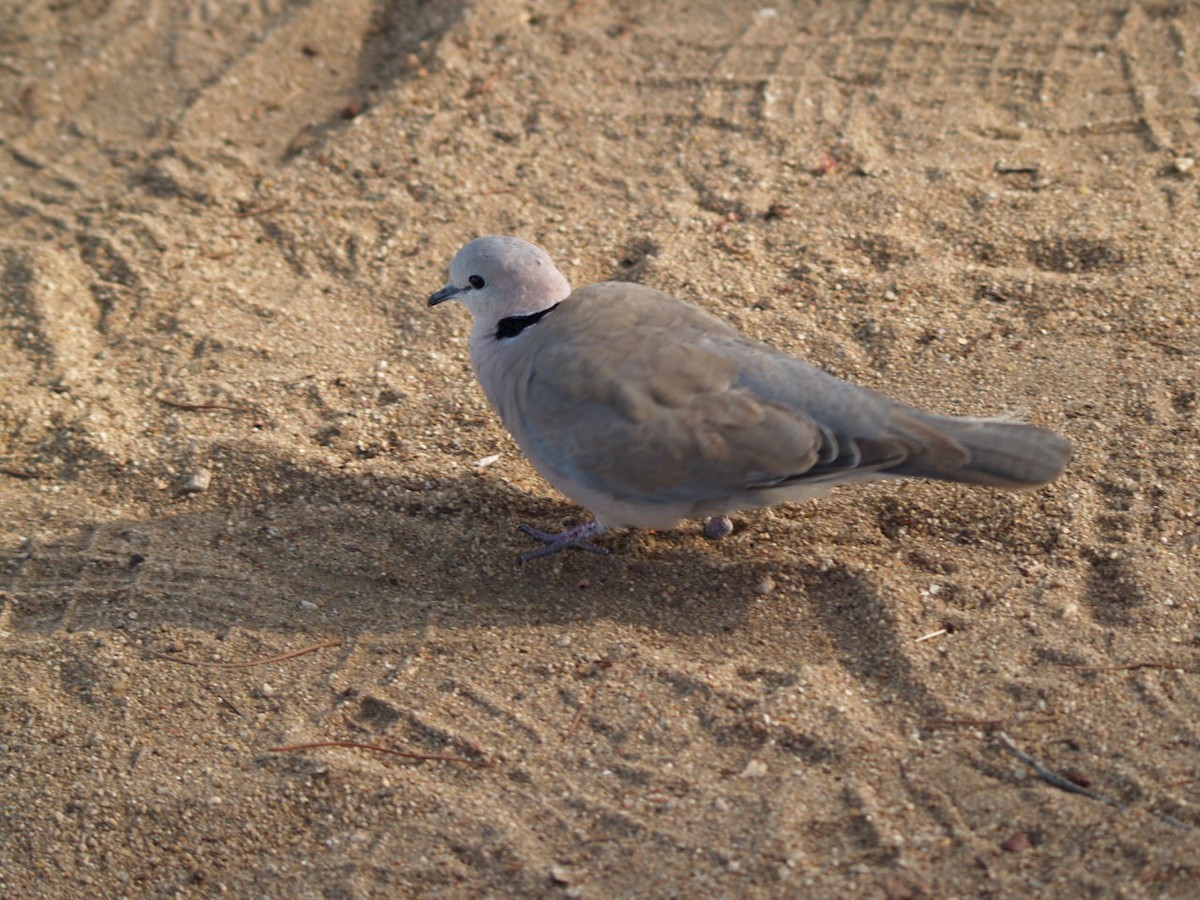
[647, 410]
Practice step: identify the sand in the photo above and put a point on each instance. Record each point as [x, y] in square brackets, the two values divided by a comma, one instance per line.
[231, 430]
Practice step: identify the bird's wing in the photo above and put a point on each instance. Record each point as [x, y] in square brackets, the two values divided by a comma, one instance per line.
[629, 391]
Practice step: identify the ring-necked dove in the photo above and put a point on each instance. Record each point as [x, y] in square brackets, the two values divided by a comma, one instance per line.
[647, 410]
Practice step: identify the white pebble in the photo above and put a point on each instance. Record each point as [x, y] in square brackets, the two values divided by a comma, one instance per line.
[756, 768]
[196, 482]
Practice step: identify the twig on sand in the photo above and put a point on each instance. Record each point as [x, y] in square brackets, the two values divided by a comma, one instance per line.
[247, 664]
[988, 724]
[179, 404]
[1052, 777]
[12, 472]
[1129, 667]
[429, 757]
[1065, 784]
[228, 704]
[579, 713]
[261, 210]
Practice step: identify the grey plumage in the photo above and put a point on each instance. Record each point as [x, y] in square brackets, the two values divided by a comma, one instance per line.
[648, 410]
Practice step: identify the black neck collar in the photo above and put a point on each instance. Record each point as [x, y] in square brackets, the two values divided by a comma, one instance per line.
[514, 325]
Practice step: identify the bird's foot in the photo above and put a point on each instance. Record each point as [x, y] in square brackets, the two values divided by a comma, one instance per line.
[718, 527]
[576, 537]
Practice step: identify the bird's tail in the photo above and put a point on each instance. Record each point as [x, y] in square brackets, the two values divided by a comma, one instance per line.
[993, 452]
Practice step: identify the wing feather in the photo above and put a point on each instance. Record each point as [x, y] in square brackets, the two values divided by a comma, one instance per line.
[636, 394]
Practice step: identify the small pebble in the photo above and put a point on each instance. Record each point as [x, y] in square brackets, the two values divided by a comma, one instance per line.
[718, 527]
[765, 586]
[196, 482]
[1016, 842]
[756, 768]
[1078, 778]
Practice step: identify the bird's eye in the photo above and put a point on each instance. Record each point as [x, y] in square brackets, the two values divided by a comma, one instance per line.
[475, 281]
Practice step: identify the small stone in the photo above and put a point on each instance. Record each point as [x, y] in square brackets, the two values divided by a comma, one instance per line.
[756, 768]
[196, 482]
[1016, 842]
[560, 874]
[266, 690]
[765, 586]
[1184, 164]
[1076, 777]
[307, 605]
[718, 527]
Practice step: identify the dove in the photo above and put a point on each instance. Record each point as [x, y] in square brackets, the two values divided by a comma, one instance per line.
[647, 410]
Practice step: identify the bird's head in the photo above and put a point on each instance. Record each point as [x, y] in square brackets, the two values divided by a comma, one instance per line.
[498, 277]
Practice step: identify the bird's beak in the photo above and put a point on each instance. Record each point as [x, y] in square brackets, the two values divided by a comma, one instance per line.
[449, 292]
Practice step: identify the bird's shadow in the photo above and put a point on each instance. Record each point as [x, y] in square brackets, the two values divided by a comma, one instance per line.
[332, 550]
[331, 554]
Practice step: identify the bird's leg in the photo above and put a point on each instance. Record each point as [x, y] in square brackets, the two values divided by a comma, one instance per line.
[717, 527]
[576, 537]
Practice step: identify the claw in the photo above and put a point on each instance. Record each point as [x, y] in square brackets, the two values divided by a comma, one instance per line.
[576, 537]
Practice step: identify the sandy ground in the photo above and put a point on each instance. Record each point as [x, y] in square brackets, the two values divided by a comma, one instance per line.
[231, 429]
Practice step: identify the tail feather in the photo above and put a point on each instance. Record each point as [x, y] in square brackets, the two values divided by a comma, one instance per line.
[997, 453]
